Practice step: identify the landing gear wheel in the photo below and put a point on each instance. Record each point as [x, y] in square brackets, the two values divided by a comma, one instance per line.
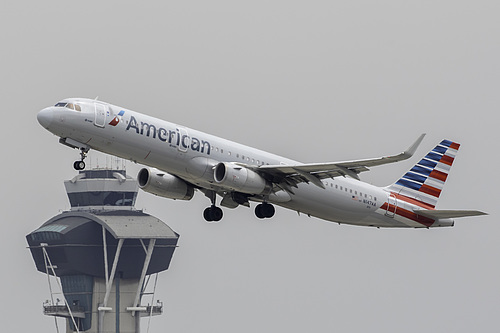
[79, 165]
[206, 215]
[213, 214]
[258, 212]
[217, 214]
[264, 210]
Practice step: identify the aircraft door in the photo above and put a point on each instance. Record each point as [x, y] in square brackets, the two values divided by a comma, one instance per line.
[100, 115]
[392, 205]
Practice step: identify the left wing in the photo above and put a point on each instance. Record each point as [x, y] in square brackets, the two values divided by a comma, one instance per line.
[287, 176]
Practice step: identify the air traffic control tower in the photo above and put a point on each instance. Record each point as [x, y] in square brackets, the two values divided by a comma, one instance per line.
[102, 255]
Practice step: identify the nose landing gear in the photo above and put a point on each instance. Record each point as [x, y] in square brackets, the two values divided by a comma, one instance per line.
[80, 165]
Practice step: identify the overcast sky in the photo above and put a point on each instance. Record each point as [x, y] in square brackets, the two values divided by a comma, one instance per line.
[315, 81]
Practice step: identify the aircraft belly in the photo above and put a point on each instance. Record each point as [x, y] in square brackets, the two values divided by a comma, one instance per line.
[338, 207]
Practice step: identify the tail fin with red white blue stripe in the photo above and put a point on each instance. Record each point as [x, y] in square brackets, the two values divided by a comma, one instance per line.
[425, 181]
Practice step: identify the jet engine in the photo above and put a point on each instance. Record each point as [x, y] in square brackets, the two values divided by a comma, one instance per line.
[240, 179]
[164, 184]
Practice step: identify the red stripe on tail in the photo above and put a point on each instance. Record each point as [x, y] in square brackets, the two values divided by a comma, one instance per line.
[447, 160]
[438, 175]
[430, 190]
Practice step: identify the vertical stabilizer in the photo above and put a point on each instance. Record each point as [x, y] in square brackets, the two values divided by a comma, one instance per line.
[425, 181]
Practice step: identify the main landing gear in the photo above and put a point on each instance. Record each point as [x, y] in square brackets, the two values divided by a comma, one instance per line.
[212, 213]
[80, 165]
[264, 210]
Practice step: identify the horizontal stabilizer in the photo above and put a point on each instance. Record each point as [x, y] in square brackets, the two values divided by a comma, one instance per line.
[447, 214]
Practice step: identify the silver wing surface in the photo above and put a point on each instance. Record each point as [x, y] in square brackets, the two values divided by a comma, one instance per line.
[288, 176]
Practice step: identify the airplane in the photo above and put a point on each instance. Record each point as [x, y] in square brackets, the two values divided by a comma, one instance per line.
[181, 160]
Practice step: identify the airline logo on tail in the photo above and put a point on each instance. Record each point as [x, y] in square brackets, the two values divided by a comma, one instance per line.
[426, 179]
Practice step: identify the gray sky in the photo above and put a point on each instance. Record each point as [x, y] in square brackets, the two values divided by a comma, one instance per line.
[315, 81]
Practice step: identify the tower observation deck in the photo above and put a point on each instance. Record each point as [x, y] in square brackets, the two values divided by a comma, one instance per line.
[102, 252]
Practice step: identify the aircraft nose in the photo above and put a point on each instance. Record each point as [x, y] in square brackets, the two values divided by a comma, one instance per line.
[45, 117]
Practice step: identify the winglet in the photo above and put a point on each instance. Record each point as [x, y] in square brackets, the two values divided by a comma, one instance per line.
[406, 154]
[413, 148]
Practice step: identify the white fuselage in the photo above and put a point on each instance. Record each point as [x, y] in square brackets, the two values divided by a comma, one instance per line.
[189, 155]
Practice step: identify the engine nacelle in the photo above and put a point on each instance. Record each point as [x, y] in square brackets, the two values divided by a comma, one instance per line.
[240, 179]
[164, 184]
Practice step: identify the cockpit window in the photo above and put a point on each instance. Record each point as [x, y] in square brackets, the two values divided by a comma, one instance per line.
[69, 106]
